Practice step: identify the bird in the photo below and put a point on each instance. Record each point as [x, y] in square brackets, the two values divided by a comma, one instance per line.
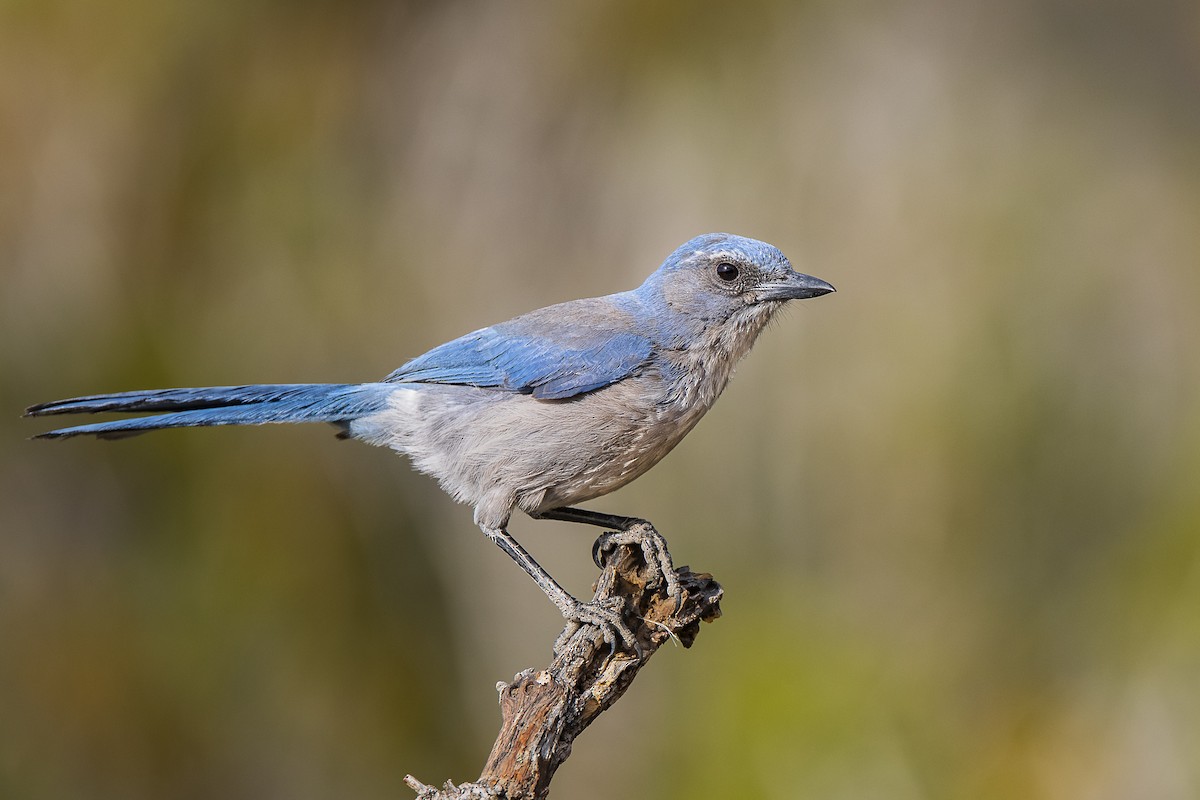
[536, 414]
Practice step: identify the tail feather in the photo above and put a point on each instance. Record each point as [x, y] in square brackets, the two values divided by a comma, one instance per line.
[219, 405]
[182, 399]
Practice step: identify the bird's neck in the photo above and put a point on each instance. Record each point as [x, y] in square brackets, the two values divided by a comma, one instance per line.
[702, 364]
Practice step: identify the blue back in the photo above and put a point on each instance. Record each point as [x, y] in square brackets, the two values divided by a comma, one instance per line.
[577, 347]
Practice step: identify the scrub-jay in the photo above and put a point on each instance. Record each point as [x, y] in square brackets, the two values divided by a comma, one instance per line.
[541, 412]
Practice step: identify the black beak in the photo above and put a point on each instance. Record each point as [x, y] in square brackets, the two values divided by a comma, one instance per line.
[797, 286]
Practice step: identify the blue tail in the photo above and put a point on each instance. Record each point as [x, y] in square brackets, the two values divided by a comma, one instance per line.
[219, 405]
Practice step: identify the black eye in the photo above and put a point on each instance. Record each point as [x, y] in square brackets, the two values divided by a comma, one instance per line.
[727, 272]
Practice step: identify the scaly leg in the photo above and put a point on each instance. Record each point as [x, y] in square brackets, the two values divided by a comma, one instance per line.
[628, 531]
[607, 618]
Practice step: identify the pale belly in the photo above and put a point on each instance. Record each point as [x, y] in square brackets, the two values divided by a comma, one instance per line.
[627, 456]
[499, 451]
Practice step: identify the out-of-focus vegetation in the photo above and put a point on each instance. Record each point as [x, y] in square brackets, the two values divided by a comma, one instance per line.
[955, 506]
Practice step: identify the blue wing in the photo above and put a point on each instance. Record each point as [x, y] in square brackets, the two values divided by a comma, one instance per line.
[553, 353]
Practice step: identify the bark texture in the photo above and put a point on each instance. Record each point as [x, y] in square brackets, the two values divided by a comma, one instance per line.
[542, 711]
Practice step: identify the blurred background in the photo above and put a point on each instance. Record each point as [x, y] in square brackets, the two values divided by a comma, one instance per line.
[954, 506]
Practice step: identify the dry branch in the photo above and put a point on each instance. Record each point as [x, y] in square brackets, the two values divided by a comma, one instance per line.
[542, 711]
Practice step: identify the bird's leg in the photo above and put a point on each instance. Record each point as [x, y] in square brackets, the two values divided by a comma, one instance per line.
[627, 531]
[606, 617]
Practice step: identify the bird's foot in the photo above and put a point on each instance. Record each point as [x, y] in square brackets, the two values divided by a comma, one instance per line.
[654, 551]
[608, 616]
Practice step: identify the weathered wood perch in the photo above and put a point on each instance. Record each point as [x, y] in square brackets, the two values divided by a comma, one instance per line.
[542, 711]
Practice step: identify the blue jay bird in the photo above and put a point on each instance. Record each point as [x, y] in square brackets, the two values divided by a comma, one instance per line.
[539, 413]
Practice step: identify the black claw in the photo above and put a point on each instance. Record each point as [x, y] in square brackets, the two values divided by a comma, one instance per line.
[598, 549]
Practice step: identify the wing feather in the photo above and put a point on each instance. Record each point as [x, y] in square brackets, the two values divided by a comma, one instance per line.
[554, 353]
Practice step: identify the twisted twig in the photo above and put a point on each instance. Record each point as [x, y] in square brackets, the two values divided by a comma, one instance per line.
[544, 710]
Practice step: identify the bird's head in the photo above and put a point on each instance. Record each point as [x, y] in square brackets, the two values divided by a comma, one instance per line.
[719, 277]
